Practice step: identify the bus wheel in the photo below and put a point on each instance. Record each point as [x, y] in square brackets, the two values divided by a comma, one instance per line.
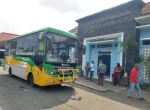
[58, 85]
[30, 80]
[10, 72]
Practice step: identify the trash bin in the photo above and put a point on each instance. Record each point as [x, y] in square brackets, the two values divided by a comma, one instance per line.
[124, 81]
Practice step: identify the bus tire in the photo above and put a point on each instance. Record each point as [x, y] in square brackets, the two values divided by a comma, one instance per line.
[30, 80]
[10, 72]
[58, 85]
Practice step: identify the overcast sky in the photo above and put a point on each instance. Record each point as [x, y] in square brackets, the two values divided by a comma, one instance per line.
[22, 16]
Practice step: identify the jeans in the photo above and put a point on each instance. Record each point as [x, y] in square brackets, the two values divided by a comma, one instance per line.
[100, 78]
[137, 87]
[91, 75]
[87, 74]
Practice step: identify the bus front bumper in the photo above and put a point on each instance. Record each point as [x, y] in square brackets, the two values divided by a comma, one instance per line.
[62, 81]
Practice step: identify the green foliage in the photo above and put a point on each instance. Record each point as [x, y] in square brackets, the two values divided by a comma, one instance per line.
[79, 67]
[129, 43]
[138, 59]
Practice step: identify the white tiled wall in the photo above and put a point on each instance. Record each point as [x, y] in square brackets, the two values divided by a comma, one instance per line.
[146, 53]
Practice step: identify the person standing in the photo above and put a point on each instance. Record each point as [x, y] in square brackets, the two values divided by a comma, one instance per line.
[134, 83]
[91, 70]
[101, 72]
[117, 72]
[87, 69]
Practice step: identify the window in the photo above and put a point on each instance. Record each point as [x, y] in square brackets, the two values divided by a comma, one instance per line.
[13, 46]
[30, 45]
[1, 54]
[93, 46]
[104, 45]
[20, 46]
[146, 42]
[7, 43]
[61, 49]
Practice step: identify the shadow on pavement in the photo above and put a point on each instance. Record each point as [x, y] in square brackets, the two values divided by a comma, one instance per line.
[16, 94]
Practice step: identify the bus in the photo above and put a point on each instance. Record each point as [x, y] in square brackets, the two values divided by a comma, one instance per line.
[2, 51]
[44, 57]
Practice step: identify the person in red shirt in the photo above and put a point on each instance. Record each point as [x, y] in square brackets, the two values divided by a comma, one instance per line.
[134, 83]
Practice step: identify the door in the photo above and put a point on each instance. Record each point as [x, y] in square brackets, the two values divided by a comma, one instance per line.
[107, 61]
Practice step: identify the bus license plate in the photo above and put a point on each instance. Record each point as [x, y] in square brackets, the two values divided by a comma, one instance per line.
[68, 80]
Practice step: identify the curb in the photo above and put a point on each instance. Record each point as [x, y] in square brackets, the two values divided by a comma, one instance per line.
[108, 90]
[94, 88]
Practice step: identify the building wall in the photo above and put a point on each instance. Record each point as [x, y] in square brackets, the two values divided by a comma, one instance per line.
[144, 51]
[101, 24]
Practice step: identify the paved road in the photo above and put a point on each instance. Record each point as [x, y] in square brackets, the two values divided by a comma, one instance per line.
[15, 94]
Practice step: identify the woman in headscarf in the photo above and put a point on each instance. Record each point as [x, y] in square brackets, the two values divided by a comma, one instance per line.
[117, 74]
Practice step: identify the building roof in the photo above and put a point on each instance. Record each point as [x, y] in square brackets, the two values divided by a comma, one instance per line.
[144, 17]
[74, 30]
[6, 36]
[131, 3]
[146, 9]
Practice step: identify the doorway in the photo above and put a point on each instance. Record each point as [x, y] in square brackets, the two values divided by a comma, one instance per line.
[106, 57]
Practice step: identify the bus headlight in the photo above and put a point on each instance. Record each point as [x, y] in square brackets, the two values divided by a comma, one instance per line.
[52, 73]
[49, 71]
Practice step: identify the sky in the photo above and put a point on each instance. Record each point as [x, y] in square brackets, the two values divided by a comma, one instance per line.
[23, 16]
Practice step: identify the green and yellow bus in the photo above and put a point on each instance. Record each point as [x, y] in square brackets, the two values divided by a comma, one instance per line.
[44, 57]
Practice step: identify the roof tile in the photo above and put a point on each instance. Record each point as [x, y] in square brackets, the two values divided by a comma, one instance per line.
[146, 9]
[6, 36]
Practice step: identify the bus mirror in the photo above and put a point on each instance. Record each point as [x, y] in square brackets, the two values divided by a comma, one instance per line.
[41, 35]
[41, 47]
[41, 41]
[50, 42]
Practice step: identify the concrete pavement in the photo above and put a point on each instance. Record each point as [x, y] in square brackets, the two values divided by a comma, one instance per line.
[109, 87]
[83, 100]
[16, 94]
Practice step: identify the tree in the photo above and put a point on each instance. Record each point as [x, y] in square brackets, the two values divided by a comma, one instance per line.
[138, 59]
[129, 43]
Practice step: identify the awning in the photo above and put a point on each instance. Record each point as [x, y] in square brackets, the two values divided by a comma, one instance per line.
[143, 19]
[144, 38]
[102, 42]
[143, 27]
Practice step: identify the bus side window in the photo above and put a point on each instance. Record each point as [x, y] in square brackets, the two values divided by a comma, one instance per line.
[7, 48]
[13, 47]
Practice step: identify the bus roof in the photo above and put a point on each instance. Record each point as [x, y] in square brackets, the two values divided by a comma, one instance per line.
[53, 30]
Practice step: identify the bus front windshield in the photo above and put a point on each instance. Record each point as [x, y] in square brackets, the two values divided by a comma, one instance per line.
[61, 49]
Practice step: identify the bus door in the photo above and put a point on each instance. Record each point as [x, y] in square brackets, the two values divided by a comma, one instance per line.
[37, 70]
[39, 57]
